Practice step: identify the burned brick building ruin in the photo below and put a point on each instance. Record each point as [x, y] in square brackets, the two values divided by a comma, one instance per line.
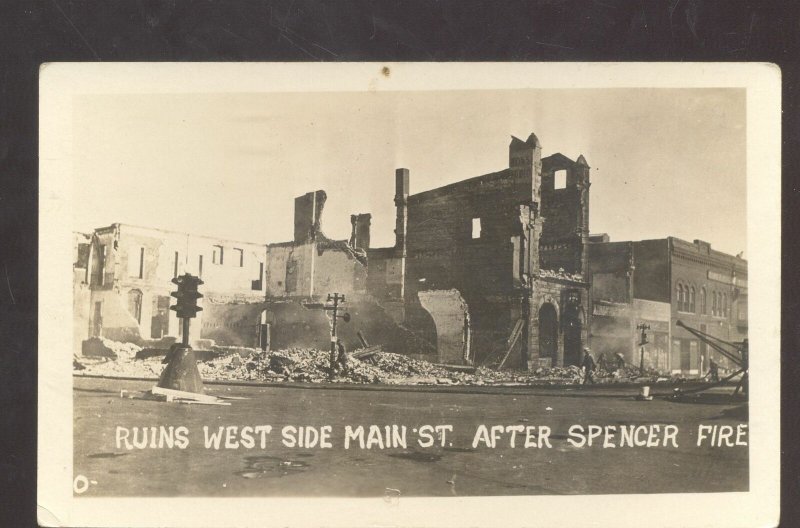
[491, 269]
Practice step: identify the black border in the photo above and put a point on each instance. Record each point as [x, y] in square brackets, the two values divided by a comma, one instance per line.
[33, 32]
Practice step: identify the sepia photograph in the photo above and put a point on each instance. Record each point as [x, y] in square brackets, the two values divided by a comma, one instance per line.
[379, 284]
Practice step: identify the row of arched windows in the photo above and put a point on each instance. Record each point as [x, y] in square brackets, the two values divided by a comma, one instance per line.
[688, 299]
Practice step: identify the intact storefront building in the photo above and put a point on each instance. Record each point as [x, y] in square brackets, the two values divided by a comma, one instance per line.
[658, 283]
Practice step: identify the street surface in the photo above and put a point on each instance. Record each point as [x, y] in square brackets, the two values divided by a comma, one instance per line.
[457, 469]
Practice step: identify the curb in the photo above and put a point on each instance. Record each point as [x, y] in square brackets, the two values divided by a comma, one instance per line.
[453, 389]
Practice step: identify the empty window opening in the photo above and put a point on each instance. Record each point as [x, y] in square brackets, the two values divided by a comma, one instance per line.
[200, 265]
[101, 265]
[239, 253]
[560, 179]
[476, 228]
[175, 267]
[136, 262]
[217, 255]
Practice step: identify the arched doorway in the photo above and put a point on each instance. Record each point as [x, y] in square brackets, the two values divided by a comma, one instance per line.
[548, 333]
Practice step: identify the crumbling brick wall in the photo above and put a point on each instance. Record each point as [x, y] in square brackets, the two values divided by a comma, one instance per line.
[442, 253]
[451, 316]
[384, 274]
[565, 233]
[307, 213]
[485, 238]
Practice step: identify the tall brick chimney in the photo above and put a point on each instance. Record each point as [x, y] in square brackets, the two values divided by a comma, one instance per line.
[307, 213]
[525, 162]
[359, 235]
[401, 202]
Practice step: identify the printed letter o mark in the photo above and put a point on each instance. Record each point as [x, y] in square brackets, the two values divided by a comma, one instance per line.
[80, 485]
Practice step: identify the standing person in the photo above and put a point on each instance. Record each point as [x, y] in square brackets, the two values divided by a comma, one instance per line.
[341, 358]
[620, 360]
[713, 371]
[601, 362]
[588, 366]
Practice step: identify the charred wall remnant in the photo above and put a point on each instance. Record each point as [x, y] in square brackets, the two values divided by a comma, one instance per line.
[307, 213]
[312, 264]
[359, 236]
[565, 208]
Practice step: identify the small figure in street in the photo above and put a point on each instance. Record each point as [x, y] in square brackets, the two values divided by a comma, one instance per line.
[620, 360]
[713, 371]
[341, 358]
[601, 362]
[744, 381]
[588, 366]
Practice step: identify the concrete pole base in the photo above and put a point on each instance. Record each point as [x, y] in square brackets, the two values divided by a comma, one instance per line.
[181, 371]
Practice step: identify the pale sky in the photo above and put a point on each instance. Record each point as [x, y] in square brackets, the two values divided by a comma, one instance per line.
[664, 161]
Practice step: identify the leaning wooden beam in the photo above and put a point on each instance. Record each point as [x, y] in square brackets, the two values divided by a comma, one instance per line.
[512, 341]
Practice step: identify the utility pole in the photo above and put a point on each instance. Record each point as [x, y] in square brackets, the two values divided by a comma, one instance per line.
[335, 299]
[642, 342]
[332, 306]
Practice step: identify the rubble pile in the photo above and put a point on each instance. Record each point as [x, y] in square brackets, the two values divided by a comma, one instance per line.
[313, 366]
[560, 274]
[629, 374]
[124, 365]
